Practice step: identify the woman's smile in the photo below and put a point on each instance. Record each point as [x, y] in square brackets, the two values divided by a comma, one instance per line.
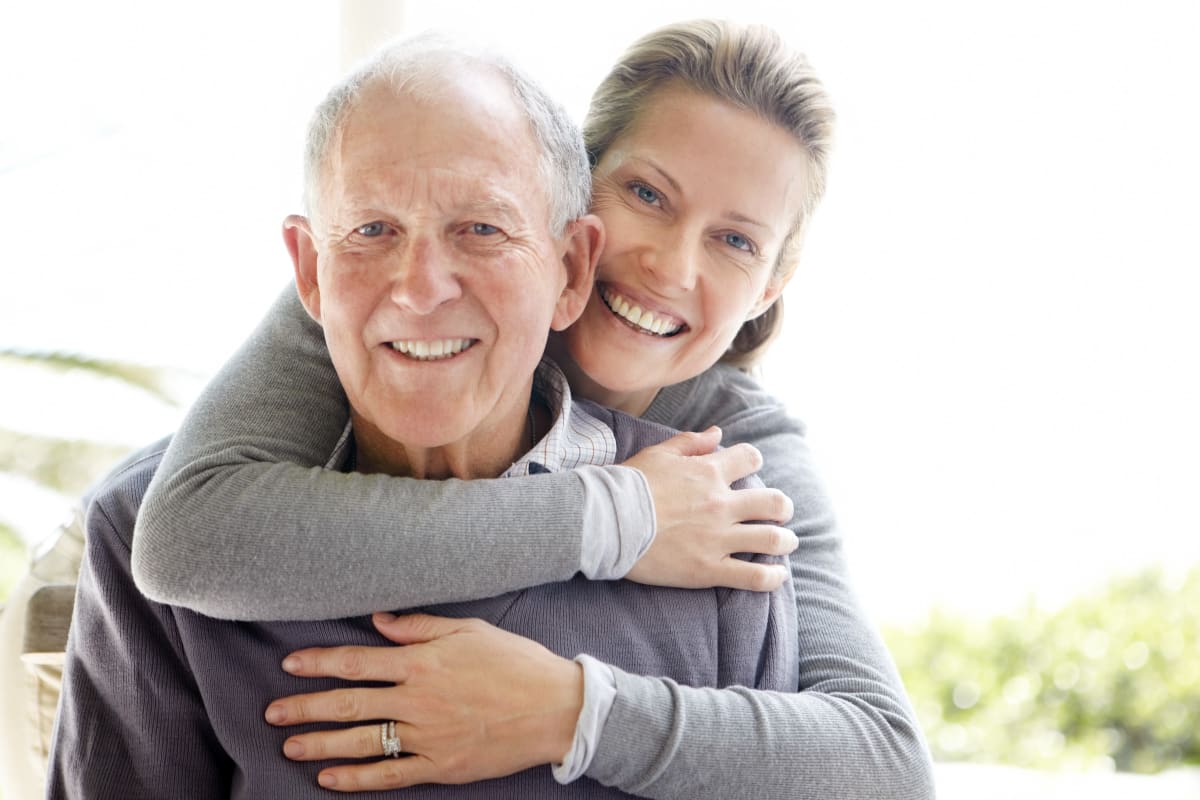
[645, 320]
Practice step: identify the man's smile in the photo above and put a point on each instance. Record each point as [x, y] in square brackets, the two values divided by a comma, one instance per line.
[432, 349]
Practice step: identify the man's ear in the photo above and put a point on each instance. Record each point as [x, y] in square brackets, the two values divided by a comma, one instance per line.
[582, 243]
[302, 247]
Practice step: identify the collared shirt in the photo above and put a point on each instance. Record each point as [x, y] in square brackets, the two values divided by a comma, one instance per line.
[575, 438]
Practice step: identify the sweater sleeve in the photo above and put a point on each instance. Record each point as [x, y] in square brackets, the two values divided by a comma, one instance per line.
[131, 723]
[849, 732]
[243, 522]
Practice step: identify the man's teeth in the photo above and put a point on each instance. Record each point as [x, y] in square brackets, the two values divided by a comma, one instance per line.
[430, 350]
[646, 320]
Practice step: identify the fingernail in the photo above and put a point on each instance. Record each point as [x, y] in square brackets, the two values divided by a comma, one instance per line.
[276, 714]
[328, 780]
[385, 617]
[291, 664]
[293, 749]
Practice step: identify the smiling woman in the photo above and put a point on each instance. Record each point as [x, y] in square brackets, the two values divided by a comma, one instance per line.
[698, 251]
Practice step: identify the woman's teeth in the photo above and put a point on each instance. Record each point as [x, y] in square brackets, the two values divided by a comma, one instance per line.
[431, 350]
[634, 315]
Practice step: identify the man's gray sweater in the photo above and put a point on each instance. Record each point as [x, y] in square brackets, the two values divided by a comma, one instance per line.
[160, 701]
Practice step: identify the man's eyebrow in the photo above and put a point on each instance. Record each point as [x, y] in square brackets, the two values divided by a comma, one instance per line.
[494, 205]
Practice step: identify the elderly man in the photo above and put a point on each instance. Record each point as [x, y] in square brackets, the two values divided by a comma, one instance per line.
[441, 248]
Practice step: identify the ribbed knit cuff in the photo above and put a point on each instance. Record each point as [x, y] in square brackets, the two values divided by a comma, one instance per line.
[599, 692]
[618, 520]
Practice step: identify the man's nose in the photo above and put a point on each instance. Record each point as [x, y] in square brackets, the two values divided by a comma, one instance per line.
[424, 278]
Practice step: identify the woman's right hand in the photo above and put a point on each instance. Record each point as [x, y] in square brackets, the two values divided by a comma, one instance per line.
[701, 522]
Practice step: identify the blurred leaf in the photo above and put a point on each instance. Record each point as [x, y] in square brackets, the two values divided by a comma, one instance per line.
[66, 465]
[149, 379]
[13, 560]
[1111, 679]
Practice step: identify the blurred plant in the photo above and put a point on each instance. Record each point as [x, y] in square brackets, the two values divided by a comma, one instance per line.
[148, 379]
[1110, 680]
[66, 466]
[12, 559]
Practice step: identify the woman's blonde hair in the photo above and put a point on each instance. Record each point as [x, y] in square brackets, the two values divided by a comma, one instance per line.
[748, 66]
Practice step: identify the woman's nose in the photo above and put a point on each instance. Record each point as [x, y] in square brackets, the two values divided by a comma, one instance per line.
[674, 267]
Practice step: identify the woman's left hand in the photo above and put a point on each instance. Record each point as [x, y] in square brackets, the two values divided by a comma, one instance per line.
[470, 702]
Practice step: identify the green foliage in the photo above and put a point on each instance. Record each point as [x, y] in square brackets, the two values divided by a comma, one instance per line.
[66, 465]
[1110, 679]
[13, 560]
[149, 379]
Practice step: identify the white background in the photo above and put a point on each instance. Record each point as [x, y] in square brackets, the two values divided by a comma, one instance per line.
[991, 337]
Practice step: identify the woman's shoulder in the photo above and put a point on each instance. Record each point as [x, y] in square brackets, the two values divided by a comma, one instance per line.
[714, 397]
[631, 433]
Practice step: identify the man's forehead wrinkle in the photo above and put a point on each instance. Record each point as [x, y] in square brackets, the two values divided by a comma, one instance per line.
[482, 167]
[441, 190]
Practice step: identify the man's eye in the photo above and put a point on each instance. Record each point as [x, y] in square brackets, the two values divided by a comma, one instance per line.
[736, 240]
[483, 229]
[646, 194]
[371, 229]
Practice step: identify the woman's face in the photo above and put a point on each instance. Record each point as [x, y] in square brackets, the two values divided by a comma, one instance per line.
[696, 198]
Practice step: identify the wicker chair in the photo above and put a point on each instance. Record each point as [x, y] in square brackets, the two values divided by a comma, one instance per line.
[33, 640]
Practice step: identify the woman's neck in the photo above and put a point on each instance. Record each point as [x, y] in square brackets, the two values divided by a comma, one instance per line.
[582, 385]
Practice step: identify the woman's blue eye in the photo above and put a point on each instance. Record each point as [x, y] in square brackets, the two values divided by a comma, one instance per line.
[645, 193]
[483, 229]
[370, 229]
[738, 241]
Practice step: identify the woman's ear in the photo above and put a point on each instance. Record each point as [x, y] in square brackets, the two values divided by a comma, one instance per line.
[774, 288]
[302, 247]
[581, 244]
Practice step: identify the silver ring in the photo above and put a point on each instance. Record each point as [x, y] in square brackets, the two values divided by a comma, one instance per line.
[389, 739]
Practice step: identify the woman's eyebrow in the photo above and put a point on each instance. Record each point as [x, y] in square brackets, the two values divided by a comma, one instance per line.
[733, 216]
[666, 176]
[737, 216]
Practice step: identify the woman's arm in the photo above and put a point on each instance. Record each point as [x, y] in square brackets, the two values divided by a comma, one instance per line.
[243, 522]
[849, 733]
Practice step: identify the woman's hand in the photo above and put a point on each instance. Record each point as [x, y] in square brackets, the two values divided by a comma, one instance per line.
[470, 702]
[701, 522]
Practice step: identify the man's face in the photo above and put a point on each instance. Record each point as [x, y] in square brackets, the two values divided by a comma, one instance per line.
[433, 270]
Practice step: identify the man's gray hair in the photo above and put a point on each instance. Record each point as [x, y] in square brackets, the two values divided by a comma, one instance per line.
[419, 66]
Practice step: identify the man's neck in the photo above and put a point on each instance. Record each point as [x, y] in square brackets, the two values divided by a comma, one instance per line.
[482, 454]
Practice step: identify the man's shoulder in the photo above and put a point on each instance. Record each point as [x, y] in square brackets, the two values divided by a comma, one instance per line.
[631, 433]
[118, 495]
